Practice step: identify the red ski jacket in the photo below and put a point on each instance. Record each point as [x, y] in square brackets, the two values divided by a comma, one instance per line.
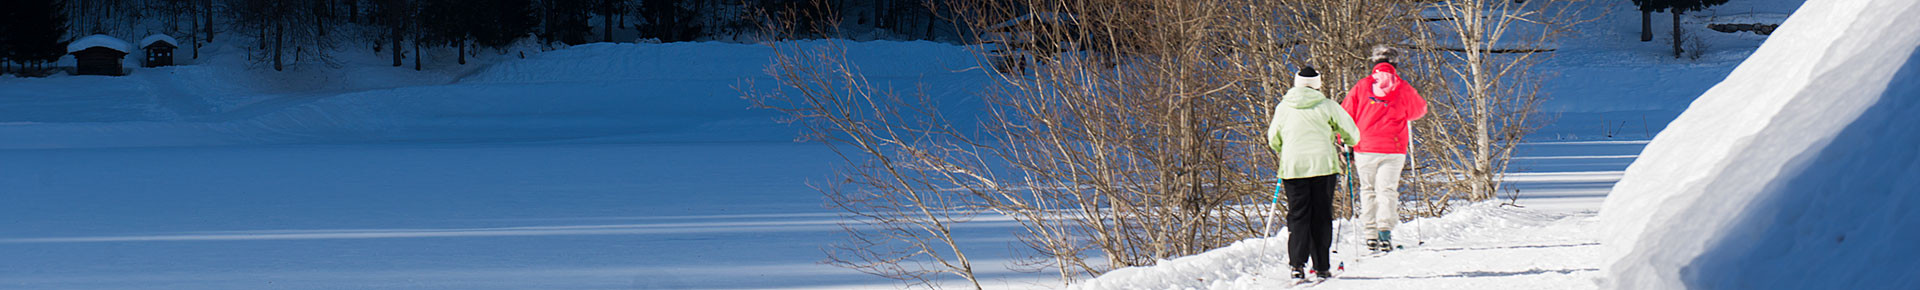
[1382, 112]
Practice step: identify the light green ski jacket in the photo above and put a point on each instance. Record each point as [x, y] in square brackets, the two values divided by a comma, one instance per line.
[1303, 130]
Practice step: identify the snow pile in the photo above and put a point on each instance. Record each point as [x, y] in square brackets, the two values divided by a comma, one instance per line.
[98, 40]
[144, 42]
[1795, 172]
[1234, 267]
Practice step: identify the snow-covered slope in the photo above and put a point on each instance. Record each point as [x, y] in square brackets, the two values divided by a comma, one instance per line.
[678, 92]
[1795, 172]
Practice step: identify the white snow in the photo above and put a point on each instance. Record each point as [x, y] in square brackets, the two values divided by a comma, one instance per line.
[1483, 246]
[144, 42]
[98, 40]
[1795, 172]
[595, 167]
[1553, 242]
[623, 166]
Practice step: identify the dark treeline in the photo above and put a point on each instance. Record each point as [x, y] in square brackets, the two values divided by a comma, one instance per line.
[282, 32]
[32, 34]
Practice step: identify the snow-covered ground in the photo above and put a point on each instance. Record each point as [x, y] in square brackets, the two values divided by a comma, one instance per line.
[623, 166]
[1612, 95]
[606, 166]
[1551, 241]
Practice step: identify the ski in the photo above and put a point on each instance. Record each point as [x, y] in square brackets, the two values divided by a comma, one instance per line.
[1313, 278]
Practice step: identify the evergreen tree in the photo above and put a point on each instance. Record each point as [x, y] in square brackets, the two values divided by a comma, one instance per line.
[505, 22]
[6, 23]
[610, 9]
[34, 31]
[566, 21]
[666, 20]
[284, 30]
[1682, 6]
[394, 15]
[1675, 8]
[448, 22]
[1647, 7]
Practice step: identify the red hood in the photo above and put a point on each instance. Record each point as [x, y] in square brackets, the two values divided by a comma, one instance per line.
[1399, 83]
[1386, 67]
[1383, 120]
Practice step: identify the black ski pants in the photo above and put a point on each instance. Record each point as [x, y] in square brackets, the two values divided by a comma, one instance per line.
[1310, 220]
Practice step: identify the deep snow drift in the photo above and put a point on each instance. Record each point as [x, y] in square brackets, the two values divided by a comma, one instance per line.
[1795, 172]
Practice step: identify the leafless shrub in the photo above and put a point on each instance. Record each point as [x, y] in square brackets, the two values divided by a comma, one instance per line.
[1694, 47]
[1131, 131]
[910, 177]
[1482, 92]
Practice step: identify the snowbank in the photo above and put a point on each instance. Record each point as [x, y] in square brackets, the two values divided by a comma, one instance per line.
[1795, 172]
[99, 40]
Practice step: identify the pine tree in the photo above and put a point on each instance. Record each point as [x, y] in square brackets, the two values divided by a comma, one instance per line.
[6, 23]
[446, 22]
[610, 9]
[1682, 6]
[34, 32]
[1674, 8]
[394, 15]
[507, 21]
[665, 19]
[566, 21]
[1647, 7]
[284, 30]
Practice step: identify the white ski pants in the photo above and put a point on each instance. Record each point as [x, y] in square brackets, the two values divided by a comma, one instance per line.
[1379, 176]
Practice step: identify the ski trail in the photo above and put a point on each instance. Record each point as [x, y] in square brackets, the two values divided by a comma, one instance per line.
[1545, 239]
[1559, 254]
[170, 96]
[1546, 243]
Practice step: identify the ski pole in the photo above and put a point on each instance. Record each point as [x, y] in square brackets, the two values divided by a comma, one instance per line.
[1419, 236]
[1273, 206]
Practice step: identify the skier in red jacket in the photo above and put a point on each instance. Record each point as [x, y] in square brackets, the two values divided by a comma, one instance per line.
[1382, 104]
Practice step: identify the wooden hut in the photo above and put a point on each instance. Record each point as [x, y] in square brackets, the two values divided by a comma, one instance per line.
[159, 48]
[98, 54]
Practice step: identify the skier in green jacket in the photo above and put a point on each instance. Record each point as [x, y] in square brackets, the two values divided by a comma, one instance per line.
[1304, 130]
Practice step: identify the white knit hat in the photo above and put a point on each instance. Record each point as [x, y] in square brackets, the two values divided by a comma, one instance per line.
[1307, 78]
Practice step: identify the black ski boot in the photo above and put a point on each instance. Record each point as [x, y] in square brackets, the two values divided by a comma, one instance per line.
[1373, 244]
[1299, 274]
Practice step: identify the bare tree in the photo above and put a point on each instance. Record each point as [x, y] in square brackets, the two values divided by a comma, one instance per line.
[911, 177]
[1480, 59]
[1132, 131]
[1336, 36]
[283, 30]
